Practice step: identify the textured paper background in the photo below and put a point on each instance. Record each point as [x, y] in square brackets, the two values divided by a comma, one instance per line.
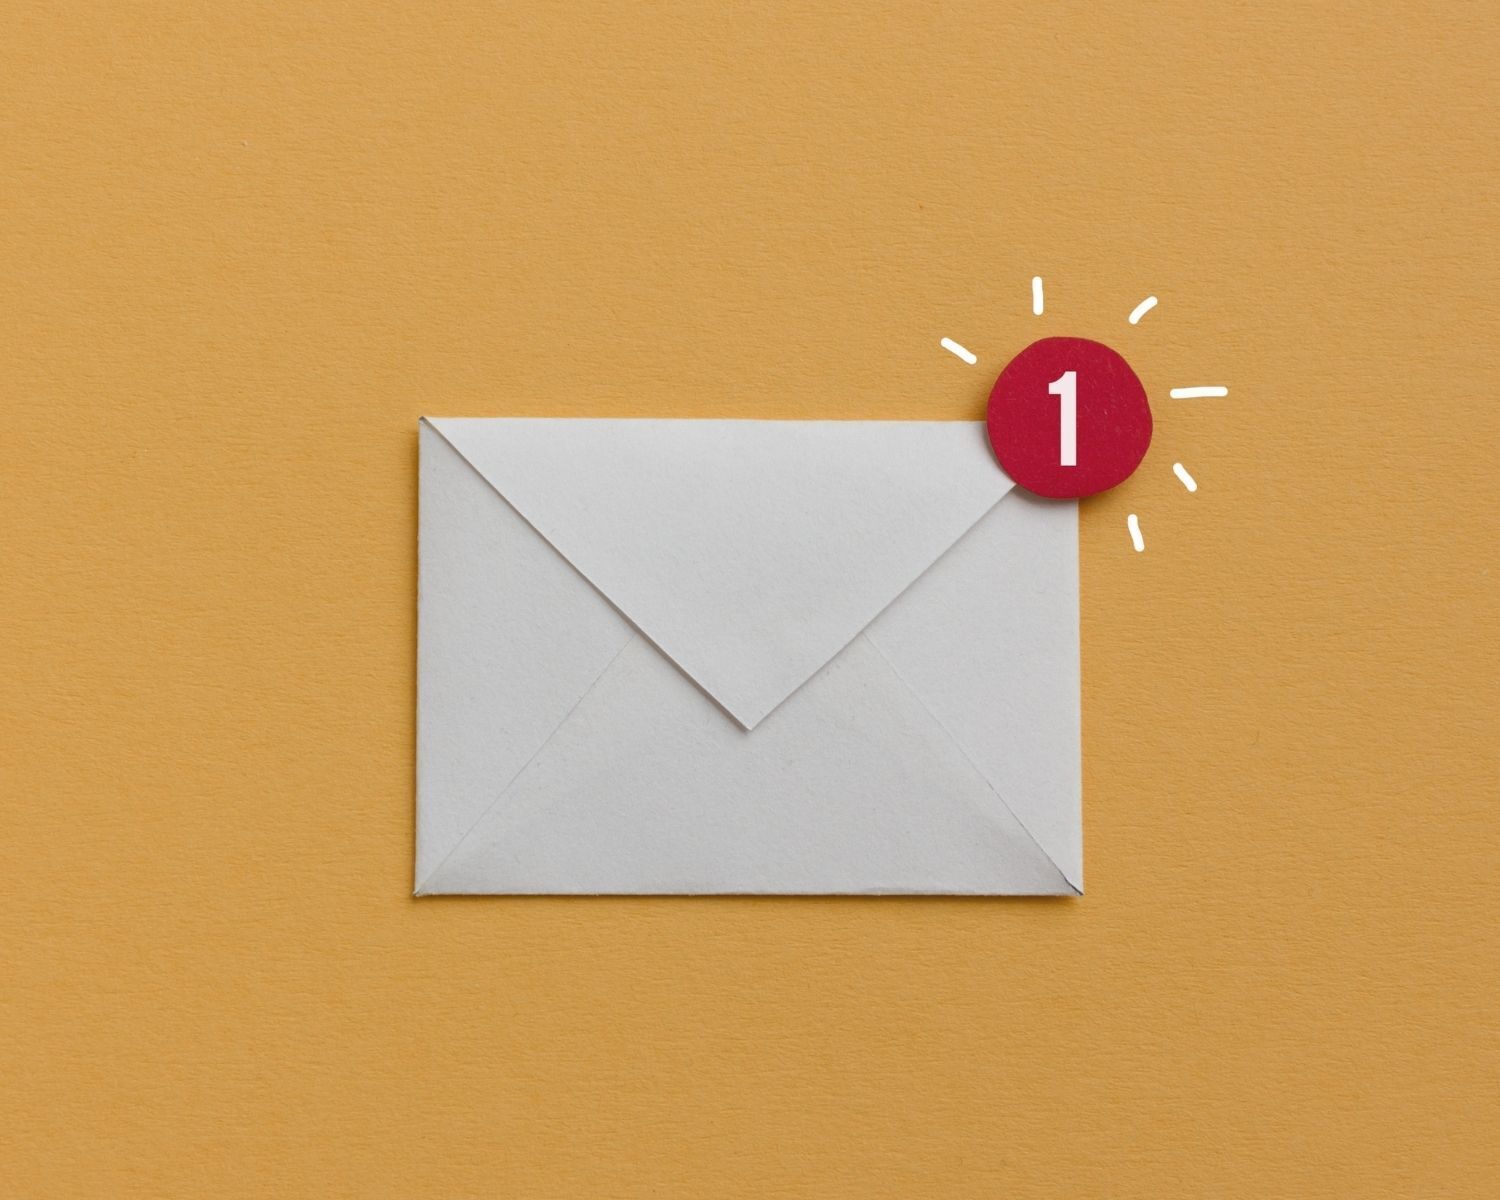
[244, 246]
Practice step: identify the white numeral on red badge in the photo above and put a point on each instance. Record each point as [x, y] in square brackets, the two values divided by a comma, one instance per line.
[1065, 388]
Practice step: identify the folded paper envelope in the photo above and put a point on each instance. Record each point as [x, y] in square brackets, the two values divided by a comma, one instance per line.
[742, 656]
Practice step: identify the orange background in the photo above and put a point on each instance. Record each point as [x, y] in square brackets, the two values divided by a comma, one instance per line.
[244, 246]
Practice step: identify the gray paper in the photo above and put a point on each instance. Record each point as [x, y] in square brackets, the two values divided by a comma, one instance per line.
[753, 657]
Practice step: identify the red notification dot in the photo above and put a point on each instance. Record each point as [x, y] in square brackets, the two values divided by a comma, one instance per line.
[1069, 418]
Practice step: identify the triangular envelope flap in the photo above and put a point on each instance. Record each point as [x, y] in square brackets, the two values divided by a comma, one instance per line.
[750, 552]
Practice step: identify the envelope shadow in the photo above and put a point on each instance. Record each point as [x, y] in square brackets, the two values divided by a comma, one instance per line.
[821, 900]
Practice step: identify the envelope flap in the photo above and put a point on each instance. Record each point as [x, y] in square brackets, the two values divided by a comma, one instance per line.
[749, 552]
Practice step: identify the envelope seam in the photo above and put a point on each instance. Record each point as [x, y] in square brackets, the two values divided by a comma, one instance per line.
[509, 783]
[959, 746]
[583, 575]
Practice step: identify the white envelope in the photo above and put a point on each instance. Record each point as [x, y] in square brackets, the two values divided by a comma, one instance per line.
[742, 656]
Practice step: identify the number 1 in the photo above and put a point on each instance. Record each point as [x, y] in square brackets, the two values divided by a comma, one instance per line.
[1065, 388]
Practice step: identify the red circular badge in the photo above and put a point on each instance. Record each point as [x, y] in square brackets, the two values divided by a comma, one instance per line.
[1069, 418]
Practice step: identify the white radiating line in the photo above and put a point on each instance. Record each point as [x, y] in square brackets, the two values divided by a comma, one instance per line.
[1036, 295]
[1134, 524]
[953, 347]
[1187, 480]
[1197, 393]
[1141, 309]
